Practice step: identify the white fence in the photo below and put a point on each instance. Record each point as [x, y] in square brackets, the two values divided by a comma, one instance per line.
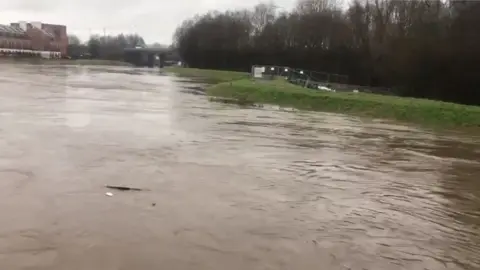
[43, 54]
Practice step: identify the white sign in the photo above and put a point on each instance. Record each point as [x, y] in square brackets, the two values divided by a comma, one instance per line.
[258, 71]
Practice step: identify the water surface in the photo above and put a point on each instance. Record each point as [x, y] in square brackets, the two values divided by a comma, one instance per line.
[228, 187]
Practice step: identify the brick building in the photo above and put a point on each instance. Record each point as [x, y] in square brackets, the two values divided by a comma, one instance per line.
[35, 38]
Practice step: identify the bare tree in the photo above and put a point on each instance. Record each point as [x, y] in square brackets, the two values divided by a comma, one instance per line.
[313, 6]
[112, 47]
[73, 40]
[262, 15]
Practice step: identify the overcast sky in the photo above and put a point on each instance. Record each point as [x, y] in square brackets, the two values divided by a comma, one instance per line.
[155, 20]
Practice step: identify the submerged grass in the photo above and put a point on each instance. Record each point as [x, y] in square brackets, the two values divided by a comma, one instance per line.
[208, 75]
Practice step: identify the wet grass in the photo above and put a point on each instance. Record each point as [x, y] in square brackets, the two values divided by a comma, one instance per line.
[280, 92]
[208, 75]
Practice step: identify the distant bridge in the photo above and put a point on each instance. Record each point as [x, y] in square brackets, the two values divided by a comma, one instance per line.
[146, 57]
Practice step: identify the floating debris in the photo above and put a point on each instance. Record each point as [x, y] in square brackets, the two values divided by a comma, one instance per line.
[109, 194]
[324, 88]
[122, 188]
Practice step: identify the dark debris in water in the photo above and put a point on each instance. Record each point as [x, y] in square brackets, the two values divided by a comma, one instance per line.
[195, 90]
[124, 188]
[240, 102]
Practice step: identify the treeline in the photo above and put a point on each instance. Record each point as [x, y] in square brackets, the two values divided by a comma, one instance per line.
[103, 47]
[420, 48]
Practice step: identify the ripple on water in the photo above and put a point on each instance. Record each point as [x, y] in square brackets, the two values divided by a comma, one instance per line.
[230, 188]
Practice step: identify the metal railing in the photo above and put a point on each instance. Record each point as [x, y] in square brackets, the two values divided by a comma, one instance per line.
[313, 79]
[266, 72]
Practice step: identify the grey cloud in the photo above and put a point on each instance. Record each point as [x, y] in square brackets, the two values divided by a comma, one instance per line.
[30, 5]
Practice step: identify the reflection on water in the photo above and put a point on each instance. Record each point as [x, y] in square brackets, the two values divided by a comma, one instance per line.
[229, 187]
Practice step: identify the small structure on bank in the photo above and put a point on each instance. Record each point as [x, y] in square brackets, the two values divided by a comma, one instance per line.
[322, 81]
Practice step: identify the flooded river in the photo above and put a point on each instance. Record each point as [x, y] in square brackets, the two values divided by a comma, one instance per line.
[225, 187]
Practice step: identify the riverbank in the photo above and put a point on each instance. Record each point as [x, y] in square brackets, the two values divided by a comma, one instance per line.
[238, 86]
[208, 75]
[280, 92]
[92, 62]
[79, 62]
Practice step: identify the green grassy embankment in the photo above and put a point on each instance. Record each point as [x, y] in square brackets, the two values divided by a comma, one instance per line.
[208, 75]
[280, 92]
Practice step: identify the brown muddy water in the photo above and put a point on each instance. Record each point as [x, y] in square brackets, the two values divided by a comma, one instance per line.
[227, 187]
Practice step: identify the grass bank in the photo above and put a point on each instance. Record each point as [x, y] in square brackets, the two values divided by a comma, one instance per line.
[422, 111]
[238, 87]
[208, 75]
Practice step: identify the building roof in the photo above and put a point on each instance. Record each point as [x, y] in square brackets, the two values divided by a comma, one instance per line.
[16, 30]
[11, 29]
[46, 32]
